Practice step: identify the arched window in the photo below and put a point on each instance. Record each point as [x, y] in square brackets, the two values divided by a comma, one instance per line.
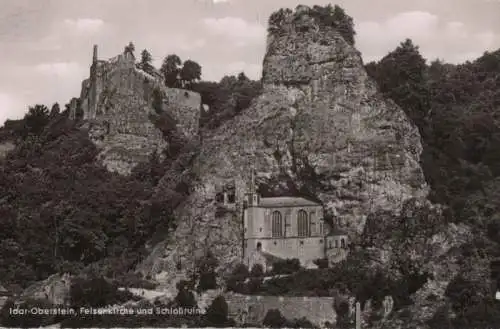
[342, 243]
[303, 224]
[277, 225]
[336, 243]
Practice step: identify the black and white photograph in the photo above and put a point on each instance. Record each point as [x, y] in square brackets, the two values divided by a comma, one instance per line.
[250, 164]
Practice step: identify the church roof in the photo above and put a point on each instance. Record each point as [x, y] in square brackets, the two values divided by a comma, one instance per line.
[270, 258]
[285, 201]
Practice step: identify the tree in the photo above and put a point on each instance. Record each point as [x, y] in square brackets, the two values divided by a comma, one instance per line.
[274, 319]
[171, 69]
[238, 277]
[157, 101]
[344, 24]
[190, 72]
[146, 60]
[206, 272]
[36, 119]
[257, 271]
[217, 312]
[401, 75]
[55, 110]
[185, 298]
[129, 48]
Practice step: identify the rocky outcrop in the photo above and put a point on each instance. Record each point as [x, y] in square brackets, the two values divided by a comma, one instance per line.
[321, 125]
[116, 100]
[55, 289]
[6, 147]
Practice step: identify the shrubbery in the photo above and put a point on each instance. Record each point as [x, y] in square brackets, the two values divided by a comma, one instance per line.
[287, 266]
[237, 278]
[206, 273]
[322, 262]
[217, 314]
[97, 292]
[274, 319]
[331, 16]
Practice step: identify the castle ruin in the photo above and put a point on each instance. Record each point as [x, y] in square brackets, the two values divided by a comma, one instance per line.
[116, 102]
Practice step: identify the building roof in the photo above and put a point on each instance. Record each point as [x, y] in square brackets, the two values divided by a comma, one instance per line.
[285, 201]
[270, 258]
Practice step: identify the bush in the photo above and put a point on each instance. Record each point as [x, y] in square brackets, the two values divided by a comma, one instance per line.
[135, 280]
[274, 319]
[217, 313]
[185, 297]
[440, 319]
[206, 271]
[97, 292]
[287, 266]
[322, 262]
[257, 271]
[237, 278]
[253, 286]
[301, 323]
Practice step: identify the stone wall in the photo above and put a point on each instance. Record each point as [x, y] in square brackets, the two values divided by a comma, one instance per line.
[253, 309]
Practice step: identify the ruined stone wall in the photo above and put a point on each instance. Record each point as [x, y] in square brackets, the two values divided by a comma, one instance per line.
[253, 309]
[117, 103]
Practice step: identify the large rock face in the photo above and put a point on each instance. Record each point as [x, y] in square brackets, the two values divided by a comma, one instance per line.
[319, 123]
[117, 100]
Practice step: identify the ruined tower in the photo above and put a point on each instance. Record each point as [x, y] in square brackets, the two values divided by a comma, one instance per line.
[92, 105]
[94, 56]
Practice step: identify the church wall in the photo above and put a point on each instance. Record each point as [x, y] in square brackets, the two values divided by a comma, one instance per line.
[305, 249]
[290, 216]
[258, 222]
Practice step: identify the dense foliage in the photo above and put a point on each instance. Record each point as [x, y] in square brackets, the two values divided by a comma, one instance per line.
[274, 319]
[329, 16]
[61, 211]
[225, 99]
[456, 108]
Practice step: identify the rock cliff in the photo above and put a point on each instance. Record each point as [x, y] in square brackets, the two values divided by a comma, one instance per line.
[319, 126]
[117, 102]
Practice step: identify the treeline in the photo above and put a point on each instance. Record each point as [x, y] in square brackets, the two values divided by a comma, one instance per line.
[456, 108]
[224, 99]
[60, 211]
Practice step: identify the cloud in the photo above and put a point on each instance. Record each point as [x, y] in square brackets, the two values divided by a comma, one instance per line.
[452, 41]
[220, 1]
[236, 28]
[85, 25]
[9, 108]
[60, 69]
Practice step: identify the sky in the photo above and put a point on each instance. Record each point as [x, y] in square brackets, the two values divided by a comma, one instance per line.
[46, 45]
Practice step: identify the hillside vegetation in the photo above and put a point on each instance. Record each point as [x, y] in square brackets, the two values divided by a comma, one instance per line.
[60, 211]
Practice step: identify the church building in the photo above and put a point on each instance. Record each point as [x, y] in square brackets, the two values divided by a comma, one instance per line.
[287, 228]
